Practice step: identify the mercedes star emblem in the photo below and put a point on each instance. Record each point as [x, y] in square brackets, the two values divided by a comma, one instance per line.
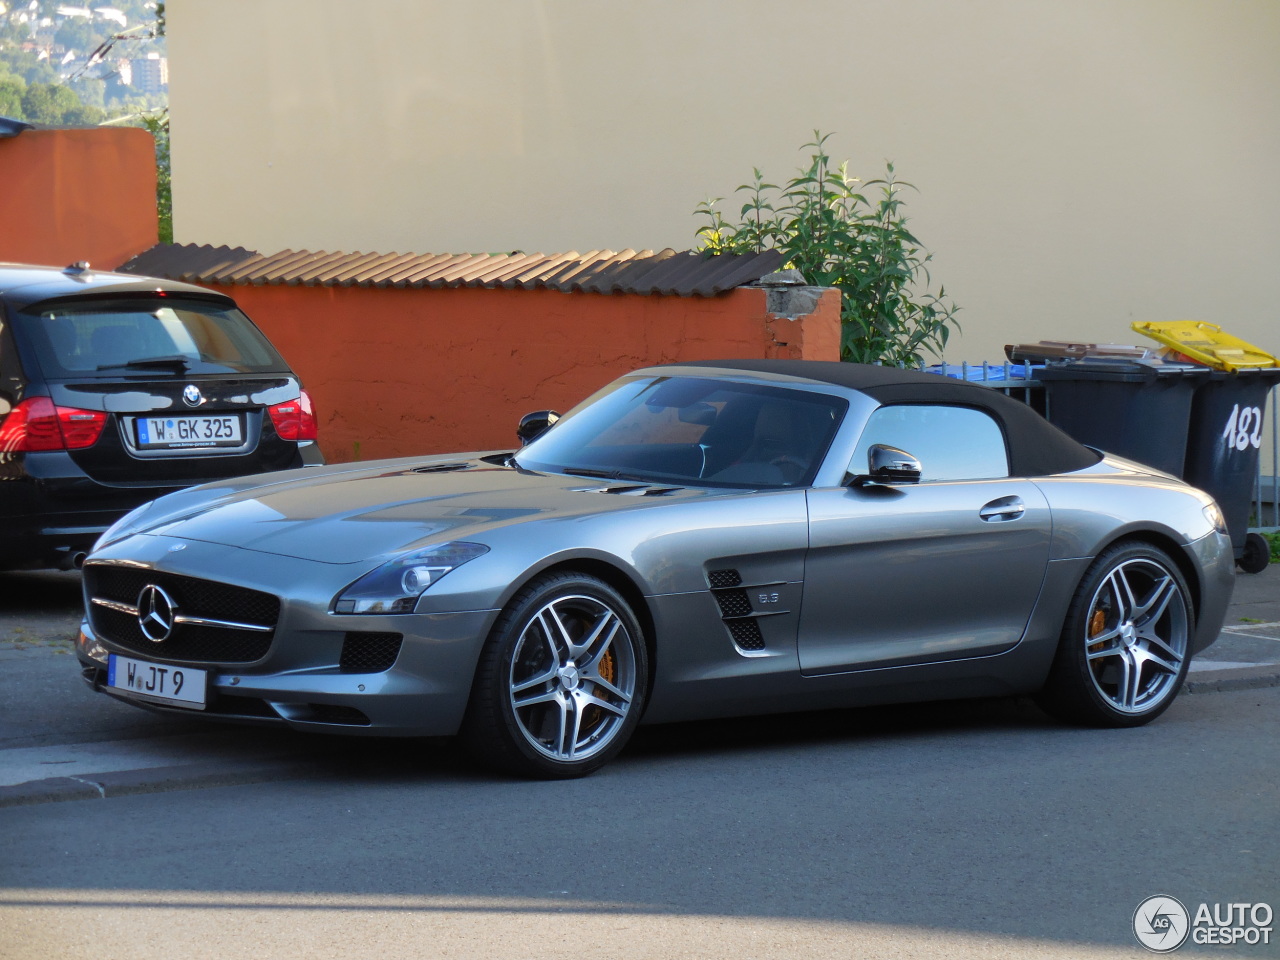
[156, 613]
[191, 395]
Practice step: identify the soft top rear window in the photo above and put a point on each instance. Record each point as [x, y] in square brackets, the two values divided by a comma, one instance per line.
[152, 336]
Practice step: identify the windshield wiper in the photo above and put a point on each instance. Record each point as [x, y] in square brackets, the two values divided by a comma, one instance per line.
[177, 361]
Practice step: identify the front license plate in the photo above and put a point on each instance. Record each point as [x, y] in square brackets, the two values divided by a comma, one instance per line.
[183, 686]
[171, 433]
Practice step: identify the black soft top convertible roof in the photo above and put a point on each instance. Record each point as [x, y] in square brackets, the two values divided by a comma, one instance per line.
[1036, 447]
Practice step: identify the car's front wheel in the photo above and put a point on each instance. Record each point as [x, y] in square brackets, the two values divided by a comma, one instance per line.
[1124, 649]
[561, 680]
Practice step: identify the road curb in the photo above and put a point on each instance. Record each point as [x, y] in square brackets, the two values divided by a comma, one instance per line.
[1253, 677]
[125, 783]
[192, 776]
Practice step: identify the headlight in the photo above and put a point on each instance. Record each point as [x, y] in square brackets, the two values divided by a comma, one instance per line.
[1213, 513]
[396, 585]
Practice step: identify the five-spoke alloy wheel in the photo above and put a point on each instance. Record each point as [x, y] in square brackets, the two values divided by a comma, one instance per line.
[1124, 648]
[561, 680]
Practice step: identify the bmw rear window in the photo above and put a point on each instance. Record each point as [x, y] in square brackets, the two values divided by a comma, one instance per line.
[153, 337]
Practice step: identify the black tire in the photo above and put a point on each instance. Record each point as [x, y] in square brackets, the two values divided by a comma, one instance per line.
[1257, 554]
[1125, 644]
[561, 681]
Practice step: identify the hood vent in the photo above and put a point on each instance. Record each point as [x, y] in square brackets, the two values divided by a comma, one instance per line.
[442, 467]
[637, 490]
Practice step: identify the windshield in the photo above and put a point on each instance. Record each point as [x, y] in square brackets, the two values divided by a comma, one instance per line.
[692, 430]
[153, 337]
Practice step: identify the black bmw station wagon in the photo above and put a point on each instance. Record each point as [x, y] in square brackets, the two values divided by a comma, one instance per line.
[117, 389]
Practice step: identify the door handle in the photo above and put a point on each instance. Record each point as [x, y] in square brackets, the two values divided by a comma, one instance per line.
[1003, 510]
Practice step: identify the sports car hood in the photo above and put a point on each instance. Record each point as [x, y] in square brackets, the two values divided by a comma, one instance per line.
[340, 515]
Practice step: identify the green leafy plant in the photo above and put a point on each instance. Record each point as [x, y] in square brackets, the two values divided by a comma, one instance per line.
[1273, 538]
[158, 124]
[829, 231]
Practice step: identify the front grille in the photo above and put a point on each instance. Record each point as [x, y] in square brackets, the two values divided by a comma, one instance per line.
[369, 652]
[193, 597]
[746, 634]
[733, 603]
[724, 578]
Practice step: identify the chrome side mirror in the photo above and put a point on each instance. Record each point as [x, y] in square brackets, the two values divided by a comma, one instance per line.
[888, 465]
[533, 425]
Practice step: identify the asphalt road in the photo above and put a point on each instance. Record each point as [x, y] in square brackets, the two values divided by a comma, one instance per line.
[962, 830]
[975, 829]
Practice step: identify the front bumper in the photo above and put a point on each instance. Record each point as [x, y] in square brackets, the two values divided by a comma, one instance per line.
[424, 693]
[305, 678]
[1215, 564]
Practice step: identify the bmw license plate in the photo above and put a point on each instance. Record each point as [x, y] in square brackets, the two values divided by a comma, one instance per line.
[182, 686]
[171, 433]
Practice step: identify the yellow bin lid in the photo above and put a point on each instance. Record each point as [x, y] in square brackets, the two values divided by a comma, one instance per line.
[1206, 343]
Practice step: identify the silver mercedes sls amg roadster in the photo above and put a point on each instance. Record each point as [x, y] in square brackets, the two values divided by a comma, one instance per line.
[693, 541]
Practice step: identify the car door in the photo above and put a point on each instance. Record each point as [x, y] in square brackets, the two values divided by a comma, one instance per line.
[943, 569]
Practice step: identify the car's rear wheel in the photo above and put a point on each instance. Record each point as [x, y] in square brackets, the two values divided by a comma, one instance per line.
[1124, 649]
[561, 680]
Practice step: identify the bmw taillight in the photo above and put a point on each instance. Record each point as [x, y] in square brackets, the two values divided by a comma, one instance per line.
[294, 419]
[37, 424]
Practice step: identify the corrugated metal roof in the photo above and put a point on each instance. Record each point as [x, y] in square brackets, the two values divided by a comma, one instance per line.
[666, 272]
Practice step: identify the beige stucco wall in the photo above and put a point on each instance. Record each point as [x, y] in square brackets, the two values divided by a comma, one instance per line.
[1081, 164]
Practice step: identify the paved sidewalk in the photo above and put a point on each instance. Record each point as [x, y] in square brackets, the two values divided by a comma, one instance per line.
[1247, 652]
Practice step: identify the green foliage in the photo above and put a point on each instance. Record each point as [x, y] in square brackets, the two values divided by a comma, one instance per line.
[158, 124]
[82, 115]
[82, 36]
[45, 103]
[1273, 538]
[26, 65]
[11, 90]
[91, 91]
[836, 237]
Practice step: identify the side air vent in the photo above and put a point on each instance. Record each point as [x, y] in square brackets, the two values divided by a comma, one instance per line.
[741, 618]
[733, 603]
[746, 634]
[724, 578]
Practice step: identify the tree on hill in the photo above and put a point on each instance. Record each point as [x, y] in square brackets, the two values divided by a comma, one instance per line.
[82, 36]
[11, 90]
[46, 103]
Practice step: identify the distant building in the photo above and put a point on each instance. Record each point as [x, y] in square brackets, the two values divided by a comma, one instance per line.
[149, 75]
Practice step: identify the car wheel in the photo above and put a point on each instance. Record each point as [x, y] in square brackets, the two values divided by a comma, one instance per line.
[561, 680]
[1257, 554]
[1123, 652]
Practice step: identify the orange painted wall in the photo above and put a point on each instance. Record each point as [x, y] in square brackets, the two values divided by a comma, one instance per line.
[68, 195]
[396, 372]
